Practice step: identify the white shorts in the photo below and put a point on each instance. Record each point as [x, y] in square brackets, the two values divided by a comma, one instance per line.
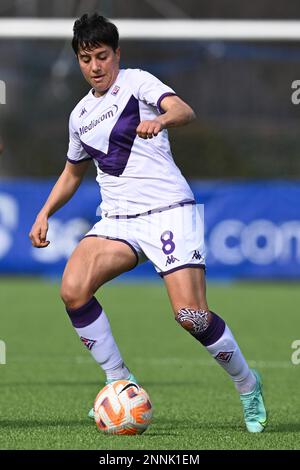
[171, 238]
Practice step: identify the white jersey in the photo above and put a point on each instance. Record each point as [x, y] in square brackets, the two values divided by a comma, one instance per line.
[135, 175]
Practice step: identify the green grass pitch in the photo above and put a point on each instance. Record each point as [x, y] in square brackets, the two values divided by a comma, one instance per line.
[49, 381]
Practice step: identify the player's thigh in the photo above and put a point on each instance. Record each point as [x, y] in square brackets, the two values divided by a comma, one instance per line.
[95, 261]
[187, 289]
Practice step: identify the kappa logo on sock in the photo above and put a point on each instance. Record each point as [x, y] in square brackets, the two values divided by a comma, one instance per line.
[89, 343]
[224, 356]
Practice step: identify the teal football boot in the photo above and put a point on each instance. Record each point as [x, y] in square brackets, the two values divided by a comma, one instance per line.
[255, 414]
[131, 378]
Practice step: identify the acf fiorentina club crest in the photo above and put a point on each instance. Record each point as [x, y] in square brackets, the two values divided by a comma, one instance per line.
[89, 343]
[115, 90]
[224, 356]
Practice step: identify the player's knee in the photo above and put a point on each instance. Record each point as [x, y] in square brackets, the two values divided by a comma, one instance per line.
[73, 295]
[194, 321]
[67, 292]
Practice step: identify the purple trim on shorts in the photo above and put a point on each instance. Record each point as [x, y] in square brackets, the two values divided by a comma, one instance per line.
[153, 211]
[78, 161]
[118, 240]
[214, 331]
[86, 314]
[121, 140]
[202, 266]
[169, 93]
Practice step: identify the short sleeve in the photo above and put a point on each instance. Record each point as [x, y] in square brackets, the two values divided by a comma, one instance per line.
[151, 90]
[76, 152]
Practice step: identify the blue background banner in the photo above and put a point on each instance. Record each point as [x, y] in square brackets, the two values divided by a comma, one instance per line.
[252, 229]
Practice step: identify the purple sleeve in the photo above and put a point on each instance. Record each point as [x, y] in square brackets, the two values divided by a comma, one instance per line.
[78, 161]
[161, 98]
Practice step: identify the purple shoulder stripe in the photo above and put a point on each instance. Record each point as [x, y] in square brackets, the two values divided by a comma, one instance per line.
[169, 93]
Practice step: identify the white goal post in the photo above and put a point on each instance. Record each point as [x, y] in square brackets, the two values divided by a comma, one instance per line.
[233, 30]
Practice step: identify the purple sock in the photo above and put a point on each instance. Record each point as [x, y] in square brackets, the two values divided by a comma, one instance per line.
[220, 343]
[86, 314]
[93, 328]
[213, 332]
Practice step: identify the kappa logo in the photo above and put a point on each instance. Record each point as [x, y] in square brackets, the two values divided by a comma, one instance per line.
[224, 356]
[82, 112]
[115, 90]
[89, 343]
[171, 259]
[196, 255]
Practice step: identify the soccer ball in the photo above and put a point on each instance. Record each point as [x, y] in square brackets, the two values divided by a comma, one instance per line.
[122, 407]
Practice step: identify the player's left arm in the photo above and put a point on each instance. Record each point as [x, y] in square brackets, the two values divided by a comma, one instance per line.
[176, 113]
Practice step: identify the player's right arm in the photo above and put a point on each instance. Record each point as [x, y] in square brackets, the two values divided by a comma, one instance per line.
[63, 190]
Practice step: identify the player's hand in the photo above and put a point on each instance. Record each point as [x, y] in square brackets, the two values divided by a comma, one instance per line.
[38, 233]
[149, 129]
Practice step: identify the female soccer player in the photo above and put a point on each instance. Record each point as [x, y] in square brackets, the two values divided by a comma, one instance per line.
[148, 210]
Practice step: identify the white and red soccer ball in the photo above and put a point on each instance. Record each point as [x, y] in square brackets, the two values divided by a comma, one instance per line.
[122, 407]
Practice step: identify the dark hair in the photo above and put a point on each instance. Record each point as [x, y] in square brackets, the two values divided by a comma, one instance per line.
[91, 31]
